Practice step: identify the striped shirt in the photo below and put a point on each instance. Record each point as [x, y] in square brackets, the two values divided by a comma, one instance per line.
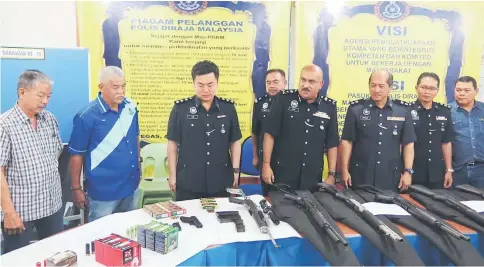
[31, 158]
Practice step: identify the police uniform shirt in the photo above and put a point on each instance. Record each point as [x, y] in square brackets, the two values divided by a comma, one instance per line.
[302, 132]
[262, 106]
[204, 139]
[378, 136]
[433, 127]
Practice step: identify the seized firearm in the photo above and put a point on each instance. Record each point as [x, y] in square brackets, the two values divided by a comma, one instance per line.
[305, 203]
[256, 214]
[470, 189]
[268, 210]
[420, 214]
[449, 201]
[366, 215]
[192, 220]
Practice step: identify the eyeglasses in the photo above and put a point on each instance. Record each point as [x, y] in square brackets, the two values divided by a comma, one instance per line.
[428, 88]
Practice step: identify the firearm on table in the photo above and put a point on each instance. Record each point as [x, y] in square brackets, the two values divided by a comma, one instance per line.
[470, 189]
[303, 201]
[256, 214]
[449, 201]
[366, 215]
[420, 214]
[192, 220]
[268, 210]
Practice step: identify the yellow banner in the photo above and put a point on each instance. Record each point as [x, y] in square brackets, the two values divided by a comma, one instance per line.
[349, 40]
[157, 43]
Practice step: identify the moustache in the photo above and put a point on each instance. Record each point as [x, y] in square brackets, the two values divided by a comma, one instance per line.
[306, 89]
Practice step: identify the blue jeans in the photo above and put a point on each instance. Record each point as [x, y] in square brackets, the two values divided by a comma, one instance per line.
[45, 227]
[99, 209]
[470, 174]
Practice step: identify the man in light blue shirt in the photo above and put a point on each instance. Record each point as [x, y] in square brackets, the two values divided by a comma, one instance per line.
[105, 141]
[468, 145]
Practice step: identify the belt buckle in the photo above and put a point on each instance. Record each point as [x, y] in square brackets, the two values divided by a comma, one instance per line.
[471, 163]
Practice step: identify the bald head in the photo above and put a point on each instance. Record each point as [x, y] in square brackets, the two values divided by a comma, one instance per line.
[382, 74]
[311, 81]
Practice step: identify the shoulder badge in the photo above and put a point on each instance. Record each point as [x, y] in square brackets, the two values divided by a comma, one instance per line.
[356, 102]
[329, 100]
[179, 101]
[443, 105]
[403, 103]
[260, 98]
[289, 91]
[226, 100]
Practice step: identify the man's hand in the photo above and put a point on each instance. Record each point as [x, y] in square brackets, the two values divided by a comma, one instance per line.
[79, 198]
[346, 178]
[255, 162]
[12, 223]
[405, 181]
[267, 173]
[236, 180]
[172, 183]
[448, 180]
[330, 179]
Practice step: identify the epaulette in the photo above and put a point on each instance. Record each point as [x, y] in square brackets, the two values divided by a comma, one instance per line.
[400, 102]
[179, 101]
[226, 100]
[260, 98]
[289, 91]
[356, 102]
[443, 105]
[329, 100]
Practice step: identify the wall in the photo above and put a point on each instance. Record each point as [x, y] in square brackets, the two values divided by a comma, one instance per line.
[39, 24]
[53, 24]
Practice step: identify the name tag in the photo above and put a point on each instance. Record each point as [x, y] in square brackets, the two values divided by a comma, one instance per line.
[440, 118]
[365, 118]
[396, 118]
[293, 109]
[192, 117]
[221, 116]
[320, 114]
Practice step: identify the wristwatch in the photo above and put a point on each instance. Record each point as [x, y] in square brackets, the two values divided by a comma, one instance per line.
[76, 188]
[236, 170]
[449, 170]
[332, 173]
[411, 171]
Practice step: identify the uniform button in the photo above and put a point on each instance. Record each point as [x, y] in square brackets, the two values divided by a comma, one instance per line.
[192, 124]
[379, 152]
[264, 116]
[304, 164]
[127, 141]
[381, 115]
[430, 124]
[307, 120]
[380, 133]
[430, 159]
[308, 109]
[208, 163]
[132, 166]
[306, 143]
[208, 144]
[414, 123]
[208, 124]
[305, 153]
[131, 152]
[292, 116]
[430, 150]
[430, 142]
[429, 115]
[472, 138]
[430, 133]
[379, 143]
[208, 153]
[307, 131]
[377, 162]
[356, 164]
[208, 114]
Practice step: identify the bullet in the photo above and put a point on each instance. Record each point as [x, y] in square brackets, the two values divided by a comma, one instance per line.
[88, 250]
[93, 250]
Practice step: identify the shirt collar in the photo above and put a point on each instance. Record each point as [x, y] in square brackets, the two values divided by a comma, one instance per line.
[215, 103]
[24, 117]
[421, 107]
[477, 104]
[371, 103]
[104, 107]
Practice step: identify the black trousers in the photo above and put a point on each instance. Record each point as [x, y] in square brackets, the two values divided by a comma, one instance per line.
[431, 185]
[401, 254]
[188, 195]
[458, 251]
[335, 253]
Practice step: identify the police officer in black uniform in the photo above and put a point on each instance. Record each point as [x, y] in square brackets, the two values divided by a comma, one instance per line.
[375, 131]
[433, 126]
[275, 83]
[301, 126]
[202, 130]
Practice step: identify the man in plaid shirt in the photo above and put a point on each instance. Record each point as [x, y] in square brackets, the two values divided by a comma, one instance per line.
[30, 145]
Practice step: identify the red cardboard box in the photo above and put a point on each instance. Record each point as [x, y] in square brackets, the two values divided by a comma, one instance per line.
[116, 250]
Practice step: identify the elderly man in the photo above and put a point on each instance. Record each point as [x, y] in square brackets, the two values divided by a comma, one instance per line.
[29, 149]
[106, 139]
